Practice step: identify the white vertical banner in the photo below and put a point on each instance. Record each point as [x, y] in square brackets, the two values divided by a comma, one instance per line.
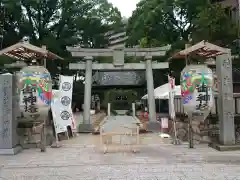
[66, 89]
[66, 85]
[59, 124]
[171, 82]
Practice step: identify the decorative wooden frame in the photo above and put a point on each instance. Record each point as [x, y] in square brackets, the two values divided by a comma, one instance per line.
[107, 144]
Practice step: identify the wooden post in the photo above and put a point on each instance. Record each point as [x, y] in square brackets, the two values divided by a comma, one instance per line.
[190, 132]
[133, 109]
[44, 128]
[101, 138]
[43, 137]
[45, 57]
[186, 57]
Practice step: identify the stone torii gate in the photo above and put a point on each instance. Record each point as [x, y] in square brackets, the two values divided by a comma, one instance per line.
[118, 65]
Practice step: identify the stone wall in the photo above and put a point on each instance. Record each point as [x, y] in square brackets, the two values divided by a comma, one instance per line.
[201, 131]
[204, 132]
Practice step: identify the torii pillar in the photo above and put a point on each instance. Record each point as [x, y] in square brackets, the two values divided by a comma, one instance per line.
[87, 89]
[118, 64]
[150, 89]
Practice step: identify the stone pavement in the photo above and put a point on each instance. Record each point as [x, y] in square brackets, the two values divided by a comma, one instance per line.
[80, 159]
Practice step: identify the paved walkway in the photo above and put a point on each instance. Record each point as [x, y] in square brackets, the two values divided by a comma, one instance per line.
[80, 159]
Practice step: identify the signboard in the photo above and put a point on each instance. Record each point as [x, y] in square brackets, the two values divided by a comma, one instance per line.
[121, 78]
[164, 123]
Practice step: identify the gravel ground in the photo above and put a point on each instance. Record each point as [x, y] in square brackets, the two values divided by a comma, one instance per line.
[81, 159]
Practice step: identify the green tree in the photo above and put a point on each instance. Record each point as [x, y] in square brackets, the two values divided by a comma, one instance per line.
[176, 22]
[220, 30]
[57, 24]
[170, 21]
[10, 18]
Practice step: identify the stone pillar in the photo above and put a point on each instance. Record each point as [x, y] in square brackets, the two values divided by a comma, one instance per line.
[225, 99]
[44, 59]
[87, 90]
[98, 106]
[150, 89]
[133, 109]
[8, 116]
[109, 109]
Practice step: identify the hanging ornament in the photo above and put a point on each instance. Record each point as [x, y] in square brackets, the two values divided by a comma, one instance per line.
[35, 85]
[196, 87]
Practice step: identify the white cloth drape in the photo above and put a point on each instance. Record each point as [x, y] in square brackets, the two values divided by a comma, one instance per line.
[162, 92]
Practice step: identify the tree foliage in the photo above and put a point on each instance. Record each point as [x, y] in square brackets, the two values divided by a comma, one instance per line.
[220, 30]
[58, 23]
[61, 23]
[163, 22]
[178, 22]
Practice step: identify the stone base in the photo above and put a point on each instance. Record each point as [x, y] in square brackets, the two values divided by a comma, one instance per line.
[176, 141]
[85, 128]
[154, 126]
[220, 147]
[11, 151]
[31, 145]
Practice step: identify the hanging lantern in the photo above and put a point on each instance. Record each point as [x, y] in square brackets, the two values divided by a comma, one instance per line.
[197, 89]
[35, 87]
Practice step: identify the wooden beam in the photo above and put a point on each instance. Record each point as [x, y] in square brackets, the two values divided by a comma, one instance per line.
[127, 66]
[25, 47]
[202, 49]
[140, 52]
[206, 45]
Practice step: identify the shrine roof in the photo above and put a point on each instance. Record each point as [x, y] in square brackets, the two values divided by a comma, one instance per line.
[202, 49]
[24, 51]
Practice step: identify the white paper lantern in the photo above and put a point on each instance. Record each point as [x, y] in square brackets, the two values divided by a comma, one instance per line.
[35, 87]
[196, 89]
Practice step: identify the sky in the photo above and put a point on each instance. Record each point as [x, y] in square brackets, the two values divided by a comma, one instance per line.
[125, 6]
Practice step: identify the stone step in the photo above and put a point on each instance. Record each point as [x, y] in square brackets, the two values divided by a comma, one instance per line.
[97, 122]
